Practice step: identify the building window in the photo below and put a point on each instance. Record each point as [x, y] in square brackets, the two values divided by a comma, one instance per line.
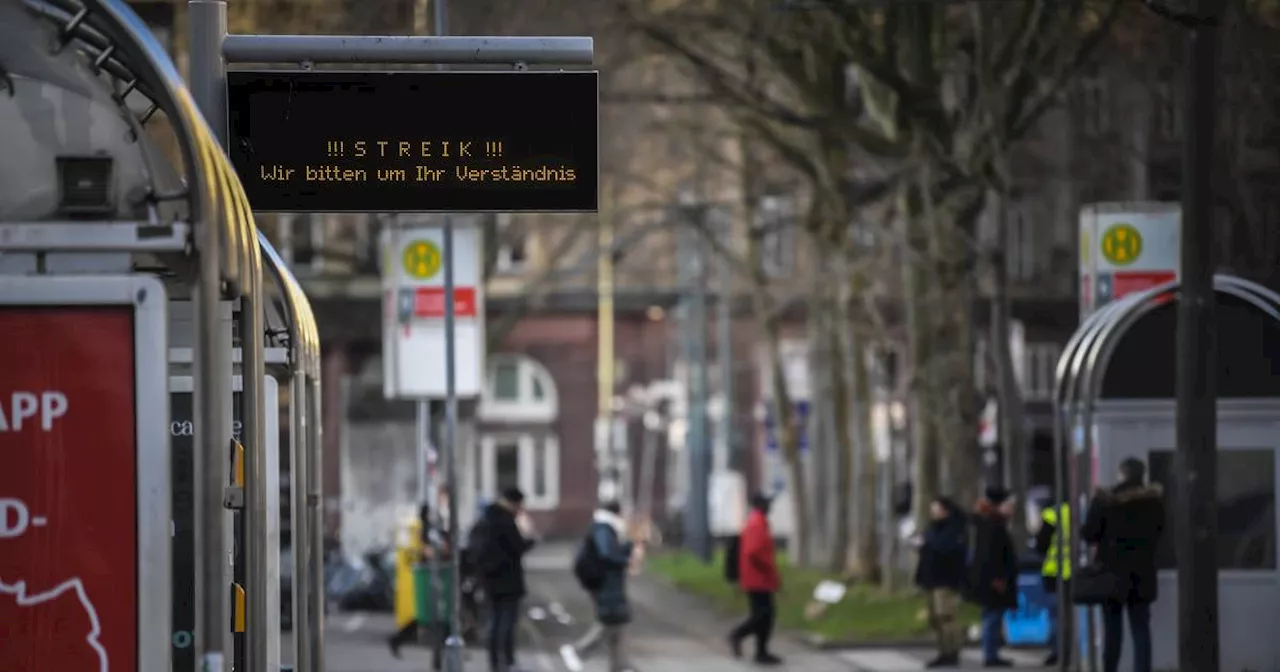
[538, 392]
[1039, 370]
[303, 241]
[777, 231]
[538, 463]
[1093, 106]
[518, 390]
[506, 465]
[1020, 250]
[1246, 508]
[528, 461]
[506, 381]
[513, 245]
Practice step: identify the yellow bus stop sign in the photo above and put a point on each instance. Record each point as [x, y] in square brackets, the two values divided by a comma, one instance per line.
[1121, 244]
[421, 259]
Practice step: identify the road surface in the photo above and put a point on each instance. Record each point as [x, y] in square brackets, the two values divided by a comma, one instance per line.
[671, 632]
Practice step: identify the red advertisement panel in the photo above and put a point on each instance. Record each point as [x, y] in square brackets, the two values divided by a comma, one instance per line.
[429, 302]
[1129, 282]
[68, 512]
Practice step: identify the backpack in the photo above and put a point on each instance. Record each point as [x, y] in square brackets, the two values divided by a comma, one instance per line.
[482, 550]
[587, 566]
[732, 558]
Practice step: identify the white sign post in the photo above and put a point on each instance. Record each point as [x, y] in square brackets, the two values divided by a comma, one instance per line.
[1126, 248]
[413, 312]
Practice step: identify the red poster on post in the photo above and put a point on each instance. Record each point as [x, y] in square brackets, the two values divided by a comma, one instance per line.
[68, 490]
[429, 302]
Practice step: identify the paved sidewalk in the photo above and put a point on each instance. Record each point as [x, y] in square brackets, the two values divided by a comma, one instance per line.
[909, 660]
[357, 642]
[671, 632]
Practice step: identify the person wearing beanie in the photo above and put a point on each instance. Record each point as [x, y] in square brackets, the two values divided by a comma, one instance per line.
[508, 536]
[993, 573]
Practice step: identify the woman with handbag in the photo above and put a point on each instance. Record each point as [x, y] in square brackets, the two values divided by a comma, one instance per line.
[1123, 527]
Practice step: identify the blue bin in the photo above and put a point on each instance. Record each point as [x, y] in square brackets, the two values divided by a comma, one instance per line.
[1032, 622]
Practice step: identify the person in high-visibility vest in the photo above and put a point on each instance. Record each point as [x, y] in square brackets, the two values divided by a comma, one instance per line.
[1054, 538]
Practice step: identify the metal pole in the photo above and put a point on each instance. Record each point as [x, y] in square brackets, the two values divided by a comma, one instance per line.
[696, 521]
[1196, 534]
[413, 49]
[422, 418]
[315, 519]
[1065, 610]
[453, 646]
[212, 373]
[254, 518]
[648, 468]
[299, 537]
[608, 467]
[724, 352]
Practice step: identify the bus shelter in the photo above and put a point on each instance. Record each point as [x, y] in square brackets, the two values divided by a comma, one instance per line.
[1114, 396]
[129, 260]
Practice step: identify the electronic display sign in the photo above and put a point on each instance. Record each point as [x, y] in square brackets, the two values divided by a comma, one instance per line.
[430, 141]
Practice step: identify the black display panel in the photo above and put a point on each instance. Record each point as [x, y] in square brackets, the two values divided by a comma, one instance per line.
[416, 141]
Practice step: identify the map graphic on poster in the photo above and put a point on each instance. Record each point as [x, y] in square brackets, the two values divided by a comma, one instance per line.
[69, 607]
[68, 490]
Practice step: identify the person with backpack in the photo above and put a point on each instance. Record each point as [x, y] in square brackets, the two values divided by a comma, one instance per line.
[601, 567]
[758, 576]
[507, 537]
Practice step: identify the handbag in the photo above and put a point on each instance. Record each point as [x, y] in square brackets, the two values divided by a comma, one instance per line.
[1095, 584]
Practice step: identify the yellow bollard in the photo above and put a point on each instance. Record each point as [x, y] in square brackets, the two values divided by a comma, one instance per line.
[408, 554]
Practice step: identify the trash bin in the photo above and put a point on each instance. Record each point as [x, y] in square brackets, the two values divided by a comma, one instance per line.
[428, 605]
[1031, 623]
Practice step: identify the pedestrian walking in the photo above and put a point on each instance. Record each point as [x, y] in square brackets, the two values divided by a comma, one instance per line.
[993, 572]
[602, 566]
[1053, 542]
[942, 573]
[508, 536]
[1123, 527]
[758, 576]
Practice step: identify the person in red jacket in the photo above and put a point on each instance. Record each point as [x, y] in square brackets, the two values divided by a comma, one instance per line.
[758, 576]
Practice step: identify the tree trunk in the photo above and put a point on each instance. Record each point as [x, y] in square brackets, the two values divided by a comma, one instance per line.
[842, 438]
[866, 556]
[788, 442]
[1008, 394]
[915, 290]
[821, 453]
[957, 405]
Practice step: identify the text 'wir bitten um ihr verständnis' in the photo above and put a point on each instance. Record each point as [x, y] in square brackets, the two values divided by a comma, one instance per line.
[426, 161]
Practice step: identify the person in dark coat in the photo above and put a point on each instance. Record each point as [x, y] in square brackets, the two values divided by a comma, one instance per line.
[1123, 526]
[993, 573]
[942, 573]
[615, 553]
[501, 567]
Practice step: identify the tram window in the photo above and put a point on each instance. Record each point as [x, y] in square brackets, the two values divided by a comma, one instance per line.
[1246, 508]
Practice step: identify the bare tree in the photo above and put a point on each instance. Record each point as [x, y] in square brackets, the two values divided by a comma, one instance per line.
[937, 93]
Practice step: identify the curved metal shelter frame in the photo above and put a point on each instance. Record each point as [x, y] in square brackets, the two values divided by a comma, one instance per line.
[1078, 382]
[227, 264]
